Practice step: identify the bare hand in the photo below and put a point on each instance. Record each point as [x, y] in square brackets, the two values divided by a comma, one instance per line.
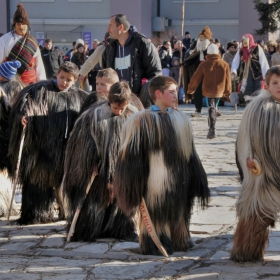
[81, 78]
[24, 121]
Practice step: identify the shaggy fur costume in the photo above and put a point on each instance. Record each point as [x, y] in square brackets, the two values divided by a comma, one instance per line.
[94, 144]
[259, 199]
[51, 114]
[158, 161]
[8, 91]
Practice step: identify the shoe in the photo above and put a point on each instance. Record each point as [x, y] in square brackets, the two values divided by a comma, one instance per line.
[218, 113]
[196, 114]
[211, 133]
[181, 102]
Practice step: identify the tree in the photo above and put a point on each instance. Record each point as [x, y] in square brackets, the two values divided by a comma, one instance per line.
[269, 16]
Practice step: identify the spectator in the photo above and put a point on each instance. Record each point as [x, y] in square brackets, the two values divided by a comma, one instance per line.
[231, 52]
[130, 54]
[52, 59]
[175, 73]
[187, 40]
[221, 47]
[173, 41]
[68, 56]
[19, 44]
[165, 58]
[271, 46]
[179, 47]
[275, 59]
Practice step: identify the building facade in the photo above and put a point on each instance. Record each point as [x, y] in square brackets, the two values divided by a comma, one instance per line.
[67, 20]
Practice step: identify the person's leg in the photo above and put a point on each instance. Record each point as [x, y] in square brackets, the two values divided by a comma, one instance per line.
[212, 116]
[198, 101]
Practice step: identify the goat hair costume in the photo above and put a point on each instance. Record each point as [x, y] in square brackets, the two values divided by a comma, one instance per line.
[158, 162]
[50, 115]
[94, 145]
[257, 158]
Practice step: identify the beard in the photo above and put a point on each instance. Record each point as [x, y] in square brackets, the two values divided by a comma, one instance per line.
[202, 45]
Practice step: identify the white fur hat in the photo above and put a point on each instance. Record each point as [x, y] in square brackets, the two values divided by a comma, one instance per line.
[213, 49]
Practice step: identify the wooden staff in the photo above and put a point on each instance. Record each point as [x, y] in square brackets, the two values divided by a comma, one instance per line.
[17, 171]
[150, 227]
[181, 50]
[77, 213]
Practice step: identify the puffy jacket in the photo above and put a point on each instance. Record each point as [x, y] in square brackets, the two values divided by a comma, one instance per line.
[52, 60]
[215, 74]
[145, 62]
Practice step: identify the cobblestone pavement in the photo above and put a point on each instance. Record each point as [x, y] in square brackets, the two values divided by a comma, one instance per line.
[40, 251]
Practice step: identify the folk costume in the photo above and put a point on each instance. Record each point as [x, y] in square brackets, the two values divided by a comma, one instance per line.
[8, 90]
[257, 158]
[158, 162]
[250, 65]
[194, 57]
[50, 115]
[23, 48]
[98, 131]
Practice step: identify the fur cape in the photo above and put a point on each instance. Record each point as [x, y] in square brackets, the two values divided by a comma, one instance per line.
[7, 95]
[158, 162]
[94, 145]
[259, 199]
[51, 115]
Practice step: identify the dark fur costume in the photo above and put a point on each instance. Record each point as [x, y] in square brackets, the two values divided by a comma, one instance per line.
[7, 96]
[94, 145]
[51, 115]
[158, 161]
[145, 97]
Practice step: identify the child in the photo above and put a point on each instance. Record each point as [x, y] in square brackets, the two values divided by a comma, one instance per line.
[47, 110]
[104, 80]
[216, 83]
[98, 131]
[158, 162]
[257, 158]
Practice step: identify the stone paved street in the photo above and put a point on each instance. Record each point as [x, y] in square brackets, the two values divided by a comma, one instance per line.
[40, 251]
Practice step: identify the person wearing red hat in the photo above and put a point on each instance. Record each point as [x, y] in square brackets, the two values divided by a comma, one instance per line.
[19, 44]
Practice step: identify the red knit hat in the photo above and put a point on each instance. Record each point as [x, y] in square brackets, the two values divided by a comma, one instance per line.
[20, 15]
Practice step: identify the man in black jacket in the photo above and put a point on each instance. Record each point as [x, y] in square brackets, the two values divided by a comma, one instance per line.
[52, 59]
[131, 54]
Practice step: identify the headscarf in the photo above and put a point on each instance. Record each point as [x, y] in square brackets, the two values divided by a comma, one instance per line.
[246, 51]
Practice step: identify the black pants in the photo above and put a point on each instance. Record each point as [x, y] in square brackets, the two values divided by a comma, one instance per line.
[198, 98]
[212, 115]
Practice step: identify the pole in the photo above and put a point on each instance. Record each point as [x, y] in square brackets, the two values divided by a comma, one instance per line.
[181, 53]
[17, 171]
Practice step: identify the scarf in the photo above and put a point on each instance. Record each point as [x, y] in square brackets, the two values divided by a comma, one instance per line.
[23, 50]
[246, 51]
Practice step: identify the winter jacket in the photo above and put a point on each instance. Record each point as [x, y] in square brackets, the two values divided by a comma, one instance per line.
[174, 70]
[228, 57]
[215, 74]
[143, 61]
[165, 58]
[78, 59]
[52, 60]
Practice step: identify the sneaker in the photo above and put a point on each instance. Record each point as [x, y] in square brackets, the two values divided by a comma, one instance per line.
[211, 133]
[218, 113]
[196, 114]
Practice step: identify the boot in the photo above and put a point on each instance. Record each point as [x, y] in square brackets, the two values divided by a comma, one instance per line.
[211, 133]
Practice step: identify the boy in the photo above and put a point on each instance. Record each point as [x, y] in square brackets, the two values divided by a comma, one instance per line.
[257, 158]
[104, 80]
[214, 73]
[98, 131]
[158, 162]
[47, 110]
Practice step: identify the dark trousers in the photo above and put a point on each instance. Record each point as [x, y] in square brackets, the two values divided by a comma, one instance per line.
[198, 98]
[212, 115]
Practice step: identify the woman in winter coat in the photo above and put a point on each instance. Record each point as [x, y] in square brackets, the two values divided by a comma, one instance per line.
[165, 58]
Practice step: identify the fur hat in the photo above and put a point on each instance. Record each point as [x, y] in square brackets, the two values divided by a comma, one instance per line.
[21, 16]
[9, 69]
[213, 49]
[206, 32]
[80, 41]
